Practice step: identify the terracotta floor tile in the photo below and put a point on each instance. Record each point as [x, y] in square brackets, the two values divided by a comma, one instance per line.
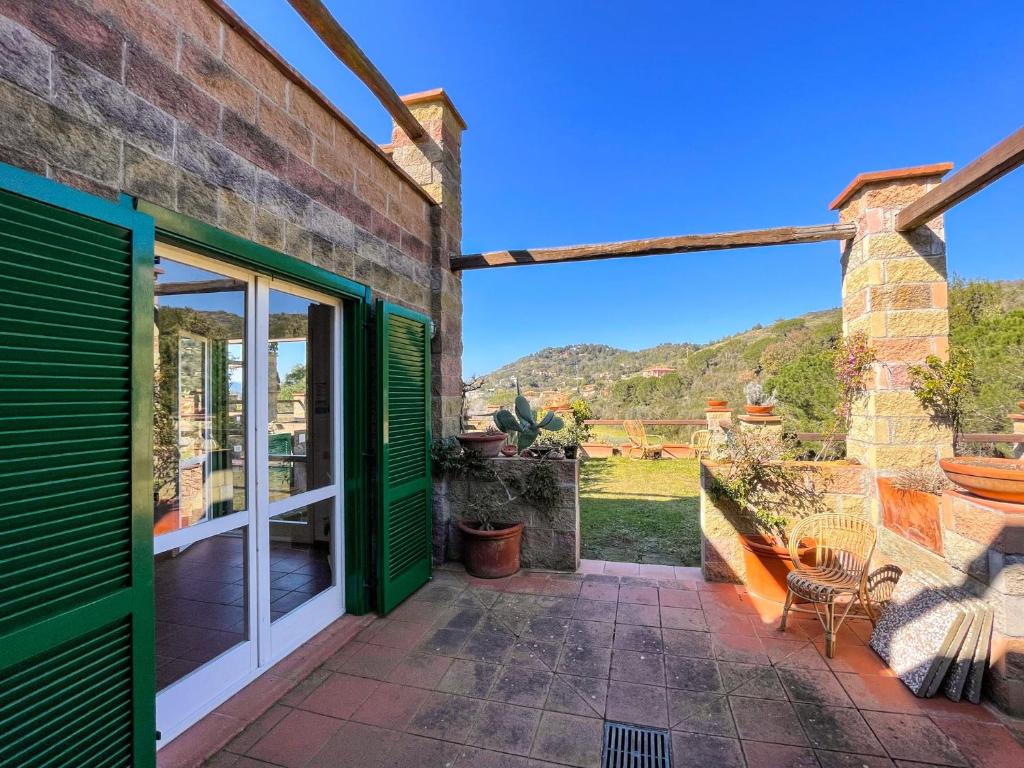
[488, 647]
[390, 706]
[421, 670]
[505, 728]
[375, 661]
[688, 573]
[547, 629]
[685, 642]
[568, 740]
[838, 729]
[765, 720]
[598, 591]
[562, 607]
[751, 680]
[638, 667]
[633, 637]
[697, 750]
[355, 745]
[535, 654]
[472, 757]
[296, 739]
[683, 618]
[814, 686]
[692, 674]
[913, 737]
[639, 704]
[447, 717]
[597, 634]
[706, 713]
[621, 569]
[746, 649]
[638, 595]
[985, 745]
[585, 661]
[729, 622]
[577, 695]
[633, 613]
[763, 755]
[591, 566]
[595, 610]
[469, 678]
[655, 571]
[339, 695]
[257, 729]
[845, 760]
[874, 692]
[411, 751]
[858, 659]
[678, 598]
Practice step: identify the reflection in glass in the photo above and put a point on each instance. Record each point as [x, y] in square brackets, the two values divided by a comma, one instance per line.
[299, 389]
[300, 556]
[199, 398]
[200, 604]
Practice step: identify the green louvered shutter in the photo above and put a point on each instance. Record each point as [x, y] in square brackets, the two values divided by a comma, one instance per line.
[405, 522]
[76, 583]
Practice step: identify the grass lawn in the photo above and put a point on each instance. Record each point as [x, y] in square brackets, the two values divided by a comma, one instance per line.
[640, 511]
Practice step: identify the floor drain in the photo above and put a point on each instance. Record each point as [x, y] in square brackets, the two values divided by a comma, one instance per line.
[630, 746]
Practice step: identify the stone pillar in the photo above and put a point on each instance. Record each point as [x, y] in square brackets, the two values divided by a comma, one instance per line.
[434, 162]
[765, 425]
[895, 292]
[1018, 429]
[717, 417]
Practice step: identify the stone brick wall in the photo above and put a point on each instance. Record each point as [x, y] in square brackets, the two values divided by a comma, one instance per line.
[179, 103]
[826, 486]
[551, 539]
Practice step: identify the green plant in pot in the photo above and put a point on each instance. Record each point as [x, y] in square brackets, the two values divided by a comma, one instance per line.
[525, 424]
[761, 494]
[760, 402]
[491, 534]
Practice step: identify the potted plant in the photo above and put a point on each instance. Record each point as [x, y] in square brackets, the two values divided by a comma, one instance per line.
[525, 423]
[717, 403]
[910, 505]
[759, 401]
[764, 493]
[487, 442]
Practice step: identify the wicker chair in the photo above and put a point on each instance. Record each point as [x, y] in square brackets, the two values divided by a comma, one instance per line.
[638, 440]
[701, 443]
[842, 546]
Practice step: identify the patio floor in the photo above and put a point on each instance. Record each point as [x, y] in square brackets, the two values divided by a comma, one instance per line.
[522, 672]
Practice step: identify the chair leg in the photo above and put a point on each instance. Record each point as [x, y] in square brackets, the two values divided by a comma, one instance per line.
[830, 629]
[869, 609]
[785, 610]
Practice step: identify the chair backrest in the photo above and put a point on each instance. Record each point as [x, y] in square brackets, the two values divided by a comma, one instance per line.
[701, 441]
[635, 432]
[839, 541]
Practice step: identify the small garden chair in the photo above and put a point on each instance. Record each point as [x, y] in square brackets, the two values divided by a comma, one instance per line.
[701, 443]
[638, 440]
[841, 547]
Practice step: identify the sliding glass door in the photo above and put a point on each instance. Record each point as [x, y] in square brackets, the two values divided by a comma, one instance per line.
[247, 463]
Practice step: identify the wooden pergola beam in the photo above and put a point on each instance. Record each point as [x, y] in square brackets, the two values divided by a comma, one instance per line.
[344, 47]
[997, 162]
[717, 241]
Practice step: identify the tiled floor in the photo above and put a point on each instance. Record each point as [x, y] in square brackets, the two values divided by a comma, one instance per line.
[521, 673]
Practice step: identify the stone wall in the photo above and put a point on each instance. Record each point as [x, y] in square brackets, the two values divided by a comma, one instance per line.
[178, 102]
[551, 539]
[826, 486]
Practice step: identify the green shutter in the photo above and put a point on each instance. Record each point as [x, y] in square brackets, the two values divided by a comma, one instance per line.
[76, 551]
[405, 521]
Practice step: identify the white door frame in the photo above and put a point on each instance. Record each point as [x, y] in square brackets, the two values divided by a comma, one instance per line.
[187, 700]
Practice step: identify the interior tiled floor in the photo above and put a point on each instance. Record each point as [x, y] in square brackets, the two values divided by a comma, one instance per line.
[522, 672]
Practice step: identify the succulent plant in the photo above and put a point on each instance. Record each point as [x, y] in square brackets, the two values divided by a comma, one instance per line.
[525, 424]
[756, 395]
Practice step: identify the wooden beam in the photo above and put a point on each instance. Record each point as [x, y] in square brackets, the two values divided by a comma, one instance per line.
[199, 286]
[717, 241]
[997, 162]
[344, 47]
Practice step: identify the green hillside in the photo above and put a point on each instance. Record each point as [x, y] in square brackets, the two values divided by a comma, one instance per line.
[792, 356]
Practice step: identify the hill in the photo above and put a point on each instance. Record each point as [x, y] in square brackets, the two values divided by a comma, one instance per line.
[792, 356]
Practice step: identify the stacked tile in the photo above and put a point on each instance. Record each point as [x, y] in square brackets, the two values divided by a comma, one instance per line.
[935, 637]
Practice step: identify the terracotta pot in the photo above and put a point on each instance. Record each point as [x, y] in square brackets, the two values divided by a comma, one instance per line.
[1020, 404]
[990, 478]
[767, 564]
[486, 443]
[491, 554]
[912, 514]
[597, 450]
[717, 403]
[677, 451]
[759, 410]
[509, 450]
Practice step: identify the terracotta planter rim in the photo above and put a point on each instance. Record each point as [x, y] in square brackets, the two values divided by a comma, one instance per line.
[759, 410]
[718, 403]
[509, 531]
[769, 546]
[887, 482]
[985, 466]
[481, 437]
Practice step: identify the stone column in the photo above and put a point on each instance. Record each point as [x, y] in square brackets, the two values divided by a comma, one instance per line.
[895, 292]
[765, 425]
[434, 162]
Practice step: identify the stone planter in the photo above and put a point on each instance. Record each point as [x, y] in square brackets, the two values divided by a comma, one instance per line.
[491, 554]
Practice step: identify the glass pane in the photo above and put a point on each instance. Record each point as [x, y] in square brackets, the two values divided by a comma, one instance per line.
[199, 398]
[299, 389]
[300, 556]
[200, 604]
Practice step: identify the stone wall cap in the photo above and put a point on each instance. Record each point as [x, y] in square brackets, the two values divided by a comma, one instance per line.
[748, 418]
[913, 172]
[435, 94]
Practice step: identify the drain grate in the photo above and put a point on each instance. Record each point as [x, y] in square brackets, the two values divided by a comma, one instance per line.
[630, 746]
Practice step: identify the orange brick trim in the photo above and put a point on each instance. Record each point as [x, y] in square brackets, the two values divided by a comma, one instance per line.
[435, 94]
[235, 22]
[935, 169]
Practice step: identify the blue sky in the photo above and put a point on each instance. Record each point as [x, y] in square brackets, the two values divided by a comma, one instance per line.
[591, 122]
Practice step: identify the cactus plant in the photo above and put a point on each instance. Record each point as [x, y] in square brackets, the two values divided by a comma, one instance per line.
[525, 424]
